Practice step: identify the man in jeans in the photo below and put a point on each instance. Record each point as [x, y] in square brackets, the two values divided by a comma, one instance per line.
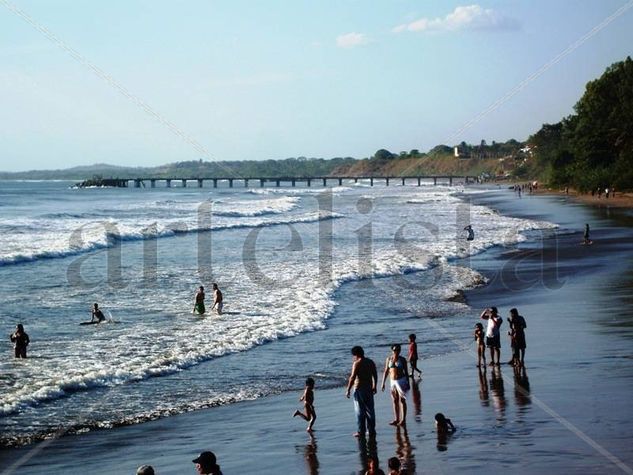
[364, 379]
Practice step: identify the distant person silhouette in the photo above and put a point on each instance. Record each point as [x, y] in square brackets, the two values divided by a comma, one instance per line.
[471, 233]
[20, 341]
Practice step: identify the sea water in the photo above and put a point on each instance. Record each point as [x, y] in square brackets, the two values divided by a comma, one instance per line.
[306, 274]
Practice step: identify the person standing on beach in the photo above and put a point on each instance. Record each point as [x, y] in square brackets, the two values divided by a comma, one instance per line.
[413, 355]
[308, 404]
[396, 367]
[481, 345]
[217, 299]
[493, 338]
[586, 240]
[364, 379]
[198, 305]
[20, 341]
[517, 337]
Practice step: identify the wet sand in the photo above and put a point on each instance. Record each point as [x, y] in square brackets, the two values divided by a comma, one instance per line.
[570, 411]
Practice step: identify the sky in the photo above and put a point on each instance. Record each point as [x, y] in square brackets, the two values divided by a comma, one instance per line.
[148, 82]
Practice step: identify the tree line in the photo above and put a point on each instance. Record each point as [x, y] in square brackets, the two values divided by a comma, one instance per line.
[593, 147]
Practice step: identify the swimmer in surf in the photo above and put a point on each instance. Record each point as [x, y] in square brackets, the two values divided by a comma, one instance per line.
[217, 299]
[198, 306]
[97, 314]
[471, 233]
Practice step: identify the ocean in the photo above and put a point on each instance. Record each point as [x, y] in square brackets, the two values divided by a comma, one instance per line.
[303, 272]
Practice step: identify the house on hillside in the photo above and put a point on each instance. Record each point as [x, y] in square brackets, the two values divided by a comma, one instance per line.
[461, 151]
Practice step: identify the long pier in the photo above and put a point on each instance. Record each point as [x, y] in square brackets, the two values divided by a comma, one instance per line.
[286, 180]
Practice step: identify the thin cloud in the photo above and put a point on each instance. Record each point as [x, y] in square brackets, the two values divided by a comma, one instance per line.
[351, 40]
[471, 17]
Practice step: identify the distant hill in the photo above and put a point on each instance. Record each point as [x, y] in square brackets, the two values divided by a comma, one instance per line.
[475, 160]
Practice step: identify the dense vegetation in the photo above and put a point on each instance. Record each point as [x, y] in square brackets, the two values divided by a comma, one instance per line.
[594, 147]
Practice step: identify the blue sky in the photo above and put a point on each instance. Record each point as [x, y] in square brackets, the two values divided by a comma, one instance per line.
[276, 79]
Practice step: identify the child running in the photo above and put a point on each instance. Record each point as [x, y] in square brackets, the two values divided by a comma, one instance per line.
[413, 355]
[481, 344]
[308, 403]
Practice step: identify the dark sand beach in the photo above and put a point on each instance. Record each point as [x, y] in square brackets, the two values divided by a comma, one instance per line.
[570, 411]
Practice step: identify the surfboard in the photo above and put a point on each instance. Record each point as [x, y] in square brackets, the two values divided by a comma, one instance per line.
[89, 323]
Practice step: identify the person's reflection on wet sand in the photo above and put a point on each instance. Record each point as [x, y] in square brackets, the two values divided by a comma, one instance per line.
[498, 393]
[310, 454]
[521, 387]
[417, 398]
[367, 449]
[404, 451]
[483, 387]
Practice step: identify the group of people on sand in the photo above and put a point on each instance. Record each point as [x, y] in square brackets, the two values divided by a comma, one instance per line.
[608, 192]
[362, 385]
[198, 305]
[491, 338]
[206, 464]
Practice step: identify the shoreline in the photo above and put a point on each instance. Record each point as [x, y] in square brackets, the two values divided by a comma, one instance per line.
[264, 431]
[621, 199]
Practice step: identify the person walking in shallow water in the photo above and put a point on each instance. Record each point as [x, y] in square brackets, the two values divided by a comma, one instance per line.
[308, 403]
[413, 355]
[198, 306]
[471, 233]
[20, 341]
[217, 299]
[396, 367]
[364, 379]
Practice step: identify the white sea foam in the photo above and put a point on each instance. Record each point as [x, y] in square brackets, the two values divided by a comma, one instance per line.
[64, 234]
